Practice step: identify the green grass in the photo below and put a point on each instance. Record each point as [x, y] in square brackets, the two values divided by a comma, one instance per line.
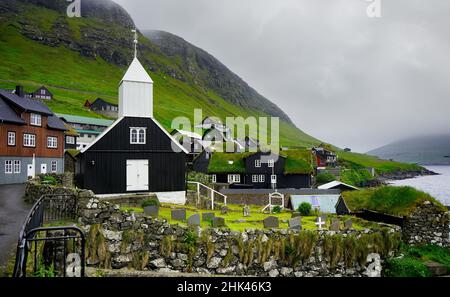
[252, 222]
[297, 162]
[360, 161]
[227, 162]
[414, 257]
[74, 78]
[398, 201]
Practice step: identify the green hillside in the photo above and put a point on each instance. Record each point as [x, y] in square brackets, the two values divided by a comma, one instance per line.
[74, 78]
[81, 59]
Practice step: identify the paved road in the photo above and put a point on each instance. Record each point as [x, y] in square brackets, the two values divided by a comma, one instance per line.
[13, 211]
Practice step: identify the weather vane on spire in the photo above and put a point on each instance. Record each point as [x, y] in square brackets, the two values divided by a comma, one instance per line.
[135, 42]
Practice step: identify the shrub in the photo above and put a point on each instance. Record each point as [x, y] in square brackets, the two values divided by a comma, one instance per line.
[276, 209]
[325, 177]
[150, 202]
[405, 267]
[49, 180]
[304, 208]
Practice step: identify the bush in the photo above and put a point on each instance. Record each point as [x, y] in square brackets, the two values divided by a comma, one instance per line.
[405, 267]
[325, 177]
[276, 209]
[304, 208]
[49, 180]
[150, 202]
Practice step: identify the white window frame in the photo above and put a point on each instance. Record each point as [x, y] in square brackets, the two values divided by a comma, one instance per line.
[262, 178]
[70, 140]
[52, 142]
[214, 178]
[234, 178]
[8, 166]
[35, 119]
[258, 163]
[54, 164]
[11, 138]
[139, 131]
[17, 166]
[273, 179]
[255, 178]
[29, 140]
[271, 163]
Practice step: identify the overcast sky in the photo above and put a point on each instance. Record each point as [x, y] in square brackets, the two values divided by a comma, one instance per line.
[341, 76]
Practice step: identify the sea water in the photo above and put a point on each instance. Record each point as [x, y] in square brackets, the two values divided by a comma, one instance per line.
[437, 186]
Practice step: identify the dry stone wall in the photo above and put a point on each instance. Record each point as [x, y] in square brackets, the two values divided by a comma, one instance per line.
[118, 239]
[427, 224]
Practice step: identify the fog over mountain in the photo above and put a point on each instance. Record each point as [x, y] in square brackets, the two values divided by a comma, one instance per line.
[341, 76]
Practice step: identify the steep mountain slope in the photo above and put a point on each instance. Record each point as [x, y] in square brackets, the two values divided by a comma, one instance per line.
[84, 58]
[205, 68]
[425, 150]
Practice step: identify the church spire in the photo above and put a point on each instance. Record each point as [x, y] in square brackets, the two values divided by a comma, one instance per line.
[135, 42]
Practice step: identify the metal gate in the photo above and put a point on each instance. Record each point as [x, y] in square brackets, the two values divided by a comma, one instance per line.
[49, 251]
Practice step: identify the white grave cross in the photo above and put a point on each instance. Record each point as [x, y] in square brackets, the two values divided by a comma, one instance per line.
[319, 223]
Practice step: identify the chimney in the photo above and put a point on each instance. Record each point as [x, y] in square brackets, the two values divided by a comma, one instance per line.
[19, 91]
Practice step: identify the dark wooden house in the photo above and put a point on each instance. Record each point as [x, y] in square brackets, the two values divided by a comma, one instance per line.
[135, 153]
[101, 105]
[255, 170]
[42, 93]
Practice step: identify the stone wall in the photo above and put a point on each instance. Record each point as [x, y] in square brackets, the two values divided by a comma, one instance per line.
[34, 190]
[253, 199]
[117, 239]
[428, 223]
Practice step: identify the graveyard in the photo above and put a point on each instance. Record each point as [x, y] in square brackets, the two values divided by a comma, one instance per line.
[234, 218]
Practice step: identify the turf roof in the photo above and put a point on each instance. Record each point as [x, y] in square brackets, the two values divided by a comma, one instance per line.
[397, 201]
[297, 162]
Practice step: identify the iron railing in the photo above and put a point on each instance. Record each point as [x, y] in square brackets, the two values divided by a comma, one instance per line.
[51, 247]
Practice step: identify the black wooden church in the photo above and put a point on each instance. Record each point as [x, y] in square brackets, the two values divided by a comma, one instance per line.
[135, 154]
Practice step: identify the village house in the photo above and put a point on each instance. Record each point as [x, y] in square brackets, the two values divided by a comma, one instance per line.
[87, 128]
[135, 154]
[191, 141]
[31, 138]
[42, 93]
[103, 107]
[290, 169]
[324, 157]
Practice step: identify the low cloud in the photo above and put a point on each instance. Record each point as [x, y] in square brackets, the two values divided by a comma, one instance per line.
[341, 76]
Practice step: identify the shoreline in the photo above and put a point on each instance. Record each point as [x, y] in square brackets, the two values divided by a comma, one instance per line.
[402, 175]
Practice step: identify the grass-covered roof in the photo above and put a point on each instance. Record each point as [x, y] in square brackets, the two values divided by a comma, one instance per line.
[297, 162]
[397, 201]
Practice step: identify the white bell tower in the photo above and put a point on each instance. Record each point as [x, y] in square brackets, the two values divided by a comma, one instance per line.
[136, 90]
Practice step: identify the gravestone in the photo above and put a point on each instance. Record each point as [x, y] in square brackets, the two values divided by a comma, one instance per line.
[208, 216]
[194, 220]
[324, 217]
[348, 224]
[295, 223]
[271, 222]
[246, 211]
[224, 210]
[152, 211]
[335, 225]
[218, 222]
[179, 214]
[319, 223]
[296, 214]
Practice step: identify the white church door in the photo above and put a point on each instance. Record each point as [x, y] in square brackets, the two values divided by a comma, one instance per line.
[137, 175]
